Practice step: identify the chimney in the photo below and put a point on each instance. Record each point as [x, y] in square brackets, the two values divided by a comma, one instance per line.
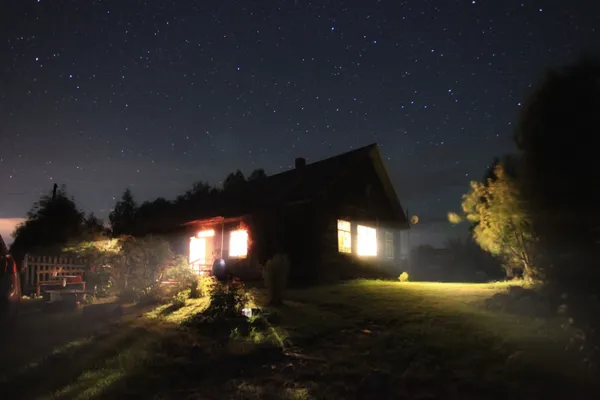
[300, 162]
[54, 191]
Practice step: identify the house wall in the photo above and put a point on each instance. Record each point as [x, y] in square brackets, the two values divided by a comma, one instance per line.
[361, 199]
[307, 231]
[219, 244]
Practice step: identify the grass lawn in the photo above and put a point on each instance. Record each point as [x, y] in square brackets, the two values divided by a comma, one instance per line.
[422, 340]
[363, 339]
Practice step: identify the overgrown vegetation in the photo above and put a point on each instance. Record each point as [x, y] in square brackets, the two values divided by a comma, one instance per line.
[500, 224]
[534, 217]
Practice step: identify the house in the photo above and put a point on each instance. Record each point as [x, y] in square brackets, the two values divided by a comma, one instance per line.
[326, 216]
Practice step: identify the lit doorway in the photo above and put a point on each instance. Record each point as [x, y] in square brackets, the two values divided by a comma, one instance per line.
[197, 254]
[201, 251]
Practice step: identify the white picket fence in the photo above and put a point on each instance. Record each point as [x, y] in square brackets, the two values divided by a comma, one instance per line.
[41, 270]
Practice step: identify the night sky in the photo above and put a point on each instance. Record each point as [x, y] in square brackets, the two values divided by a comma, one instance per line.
[154, 95]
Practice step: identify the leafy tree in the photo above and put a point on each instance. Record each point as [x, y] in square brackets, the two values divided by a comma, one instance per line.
[197, 202]
[200, 191]
[104, 261]
[234, 182]
[145, 260]
[52, 221]
[556, 134]
[557, 138]
[501, 224]
[153, 215]
[257, 174]
[93, 225]
[122, 218]
[509, 163]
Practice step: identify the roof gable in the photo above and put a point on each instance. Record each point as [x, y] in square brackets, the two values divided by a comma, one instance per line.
[311, 181]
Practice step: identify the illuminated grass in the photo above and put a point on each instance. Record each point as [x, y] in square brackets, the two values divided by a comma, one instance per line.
[192, 307]
[423, 339]
[361, 339]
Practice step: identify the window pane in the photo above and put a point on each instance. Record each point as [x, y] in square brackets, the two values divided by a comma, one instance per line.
[344, 237]
[238, 243]
[367, 241]
[343, 225]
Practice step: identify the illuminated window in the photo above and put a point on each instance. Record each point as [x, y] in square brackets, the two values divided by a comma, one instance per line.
[344, 237]
[238, 243]
[207, 233]
[389, 245]
[367, 241]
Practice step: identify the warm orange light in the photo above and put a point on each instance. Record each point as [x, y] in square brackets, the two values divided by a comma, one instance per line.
[344, 236]
[207, 233]
[367, 241]
[238, 243]
[197, 250]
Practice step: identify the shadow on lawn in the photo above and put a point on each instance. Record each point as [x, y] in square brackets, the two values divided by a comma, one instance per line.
[205, 371]
[57, 370]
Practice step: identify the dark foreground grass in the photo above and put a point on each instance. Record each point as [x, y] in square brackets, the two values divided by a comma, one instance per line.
[360, 340]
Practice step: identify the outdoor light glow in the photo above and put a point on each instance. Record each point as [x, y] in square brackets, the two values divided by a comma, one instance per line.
[197, 250]
[207, 233]
[238, 243]
[344, 236]
[367, 241]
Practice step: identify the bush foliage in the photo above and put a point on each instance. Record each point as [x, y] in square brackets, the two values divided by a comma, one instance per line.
[275, 275]
[500, 223]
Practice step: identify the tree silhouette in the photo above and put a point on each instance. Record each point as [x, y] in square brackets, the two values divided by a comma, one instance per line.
[234, 182]
[123, 217]
[151, 216]
[556, 134]
[52, 221]
[509, 163]
[257, 174]
[198, 202]
[93, 225]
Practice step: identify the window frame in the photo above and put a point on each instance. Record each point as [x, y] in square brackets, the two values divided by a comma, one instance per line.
[344, 234]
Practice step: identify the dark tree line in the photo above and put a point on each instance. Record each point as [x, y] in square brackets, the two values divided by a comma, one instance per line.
[540, 207]
[557, 135]
[129, 218]
[51, 222]
[55, 219]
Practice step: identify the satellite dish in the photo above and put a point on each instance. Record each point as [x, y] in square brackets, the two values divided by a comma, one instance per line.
[414, 220]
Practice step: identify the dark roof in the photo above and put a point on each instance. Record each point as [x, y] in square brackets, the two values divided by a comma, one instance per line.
[312, 180]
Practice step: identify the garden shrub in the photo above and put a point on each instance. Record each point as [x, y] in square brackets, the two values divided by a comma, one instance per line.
[206, 285]
[224, 314]
[275, 275]
[178, 300]
[403, 277]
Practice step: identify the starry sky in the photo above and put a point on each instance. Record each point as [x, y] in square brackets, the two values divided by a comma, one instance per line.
[154, 95]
